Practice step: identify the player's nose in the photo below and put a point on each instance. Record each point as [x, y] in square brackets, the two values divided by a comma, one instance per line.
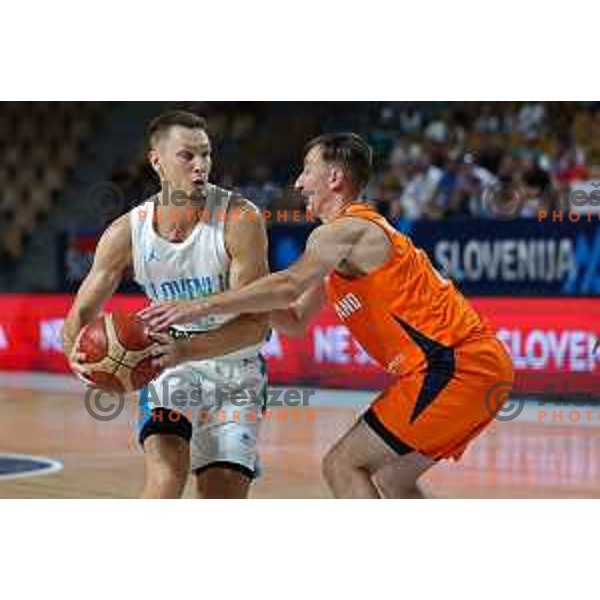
[199, 170]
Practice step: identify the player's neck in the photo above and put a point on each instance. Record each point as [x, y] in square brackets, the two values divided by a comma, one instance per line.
[180, 203]
[173, 229]
[177, 217]
[178, 210]
[335, 208]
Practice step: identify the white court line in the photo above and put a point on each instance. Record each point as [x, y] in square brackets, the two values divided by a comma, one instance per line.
[53, 466]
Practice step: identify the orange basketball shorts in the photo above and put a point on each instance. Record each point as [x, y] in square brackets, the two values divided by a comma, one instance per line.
[437, 411]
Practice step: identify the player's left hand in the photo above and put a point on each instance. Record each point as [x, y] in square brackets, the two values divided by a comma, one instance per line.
[159, 317]
[167, 352]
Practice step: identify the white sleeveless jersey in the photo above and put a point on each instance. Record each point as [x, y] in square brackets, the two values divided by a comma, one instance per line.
[195, 268]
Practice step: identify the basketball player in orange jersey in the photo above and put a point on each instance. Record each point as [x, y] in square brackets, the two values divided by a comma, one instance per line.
[399, 308]
[181, 255]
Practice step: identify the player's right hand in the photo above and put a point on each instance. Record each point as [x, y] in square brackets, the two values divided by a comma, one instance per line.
[78, 366]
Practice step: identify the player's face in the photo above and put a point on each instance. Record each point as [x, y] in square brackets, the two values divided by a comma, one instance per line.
[184, 159]
[314, 182]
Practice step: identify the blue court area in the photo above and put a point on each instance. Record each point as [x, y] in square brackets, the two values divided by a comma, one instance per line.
[16, 465]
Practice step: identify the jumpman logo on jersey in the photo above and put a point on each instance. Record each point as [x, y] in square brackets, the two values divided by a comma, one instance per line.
[152, 256]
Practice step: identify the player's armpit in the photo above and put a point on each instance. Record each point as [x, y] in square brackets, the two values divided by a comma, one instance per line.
[293, 321]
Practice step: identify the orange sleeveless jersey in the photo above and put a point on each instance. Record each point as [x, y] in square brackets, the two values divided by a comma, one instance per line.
[405, 300]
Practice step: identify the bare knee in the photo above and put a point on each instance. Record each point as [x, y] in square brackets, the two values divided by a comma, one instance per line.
[224, 482]
[400, 492]
[329, 467]
[336, 465]
[401, 479]
[164, 481]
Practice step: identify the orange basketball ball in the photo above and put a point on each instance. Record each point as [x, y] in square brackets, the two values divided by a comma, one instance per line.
[117, 347]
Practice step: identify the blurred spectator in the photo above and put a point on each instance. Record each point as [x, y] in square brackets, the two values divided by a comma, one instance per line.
[530, 120]
[533, 174]
[570, 166]
[385, 190]
[411, 119]
[537, 187]
[433, 160]
[491, 152]
[437, 132]
[472, 183]
[488, 121]
[424, 178]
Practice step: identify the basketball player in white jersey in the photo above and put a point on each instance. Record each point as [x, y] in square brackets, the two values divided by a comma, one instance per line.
[210, 242]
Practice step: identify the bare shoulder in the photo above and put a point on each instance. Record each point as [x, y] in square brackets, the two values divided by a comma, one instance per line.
[241, 208]
[120, 227]
[115, 242]
[244, 227]
[241, 215]
[347, 230]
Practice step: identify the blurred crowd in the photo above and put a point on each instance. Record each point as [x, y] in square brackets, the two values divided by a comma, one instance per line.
[446, 160]
[433, 160]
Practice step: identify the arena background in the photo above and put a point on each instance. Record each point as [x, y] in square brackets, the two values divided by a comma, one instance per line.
[503, 196]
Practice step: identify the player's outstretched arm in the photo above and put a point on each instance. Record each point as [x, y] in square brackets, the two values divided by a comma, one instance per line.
[246, 242]
[113, 255]
[327, 247]
[293, 321]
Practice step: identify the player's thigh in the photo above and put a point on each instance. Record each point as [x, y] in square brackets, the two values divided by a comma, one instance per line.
[226, 430]
[394, 471]
[360, 447]
[167, 455]
[163, 420]
[226, 437]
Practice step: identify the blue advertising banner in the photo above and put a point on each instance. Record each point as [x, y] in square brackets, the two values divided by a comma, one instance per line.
[521, 257]
[484, 257]
[492, 258]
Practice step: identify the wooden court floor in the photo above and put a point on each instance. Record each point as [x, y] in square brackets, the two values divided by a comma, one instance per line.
[518, 459]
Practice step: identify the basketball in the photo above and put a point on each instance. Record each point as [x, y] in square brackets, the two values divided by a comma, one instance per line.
[118, 348]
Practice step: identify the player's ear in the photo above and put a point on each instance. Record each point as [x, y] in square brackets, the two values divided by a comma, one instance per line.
[336, 178]
[153, 158]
